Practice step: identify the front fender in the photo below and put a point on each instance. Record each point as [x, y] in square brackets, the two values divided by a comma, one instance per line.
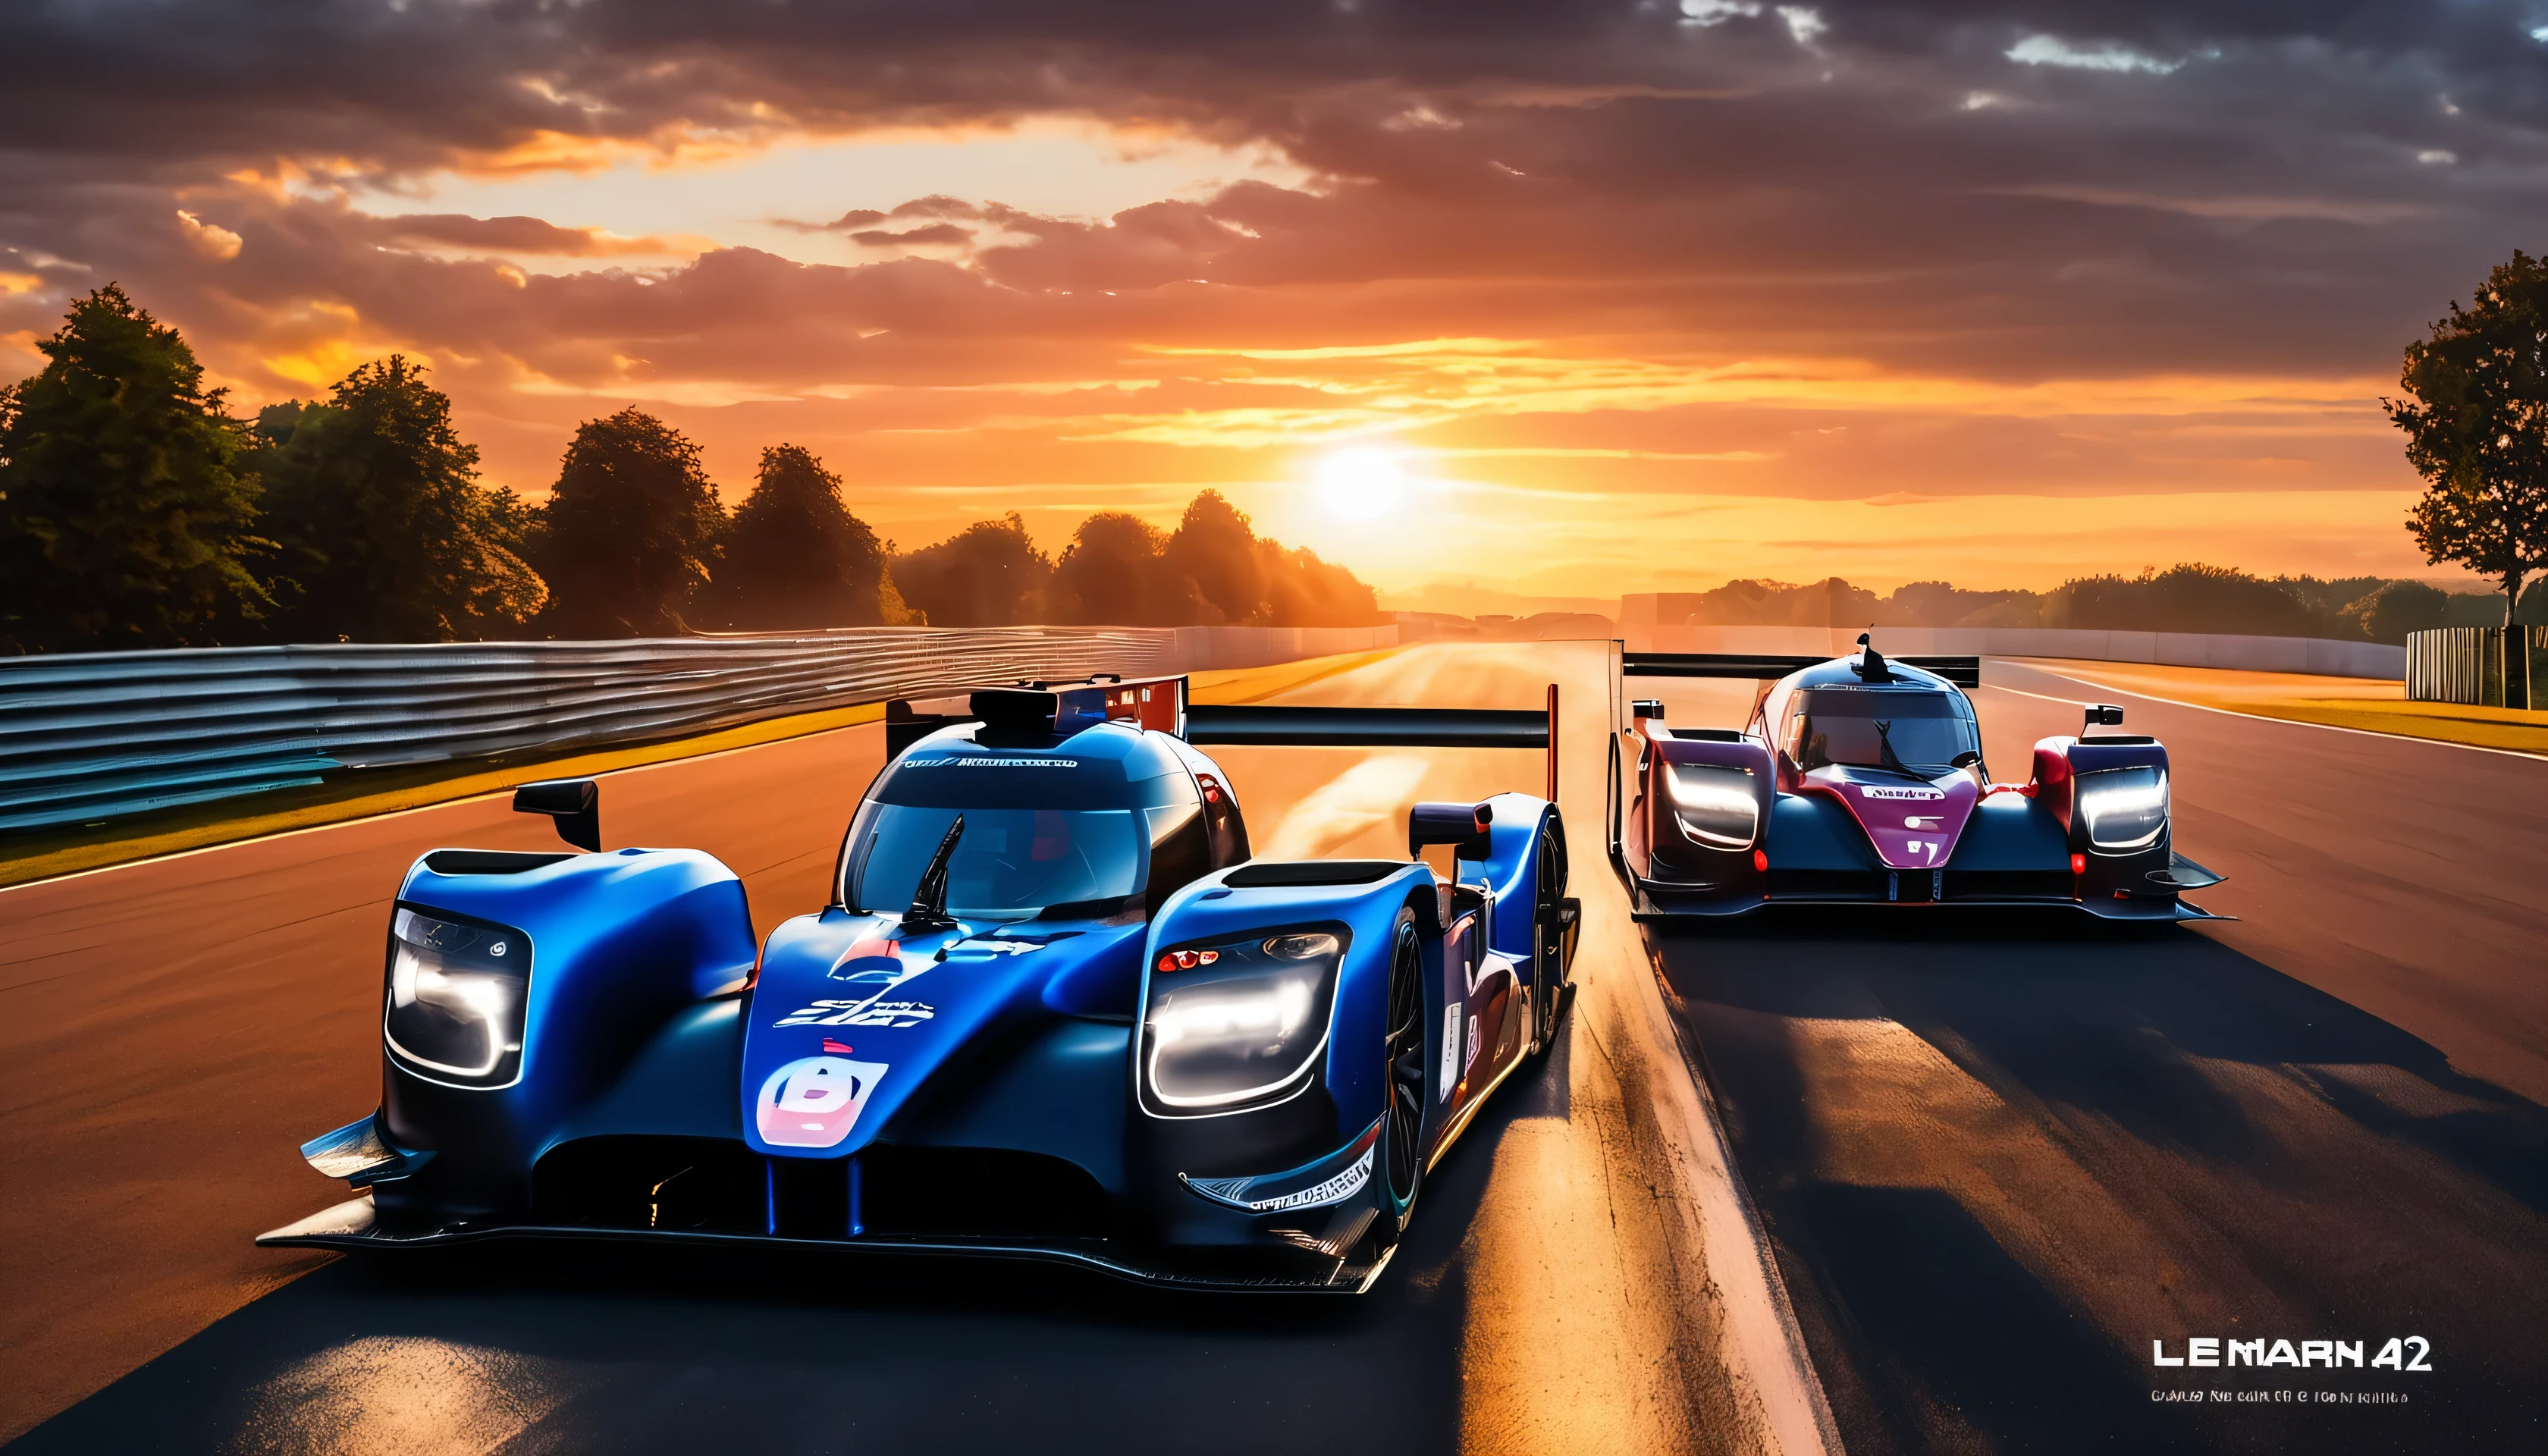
[620, 944]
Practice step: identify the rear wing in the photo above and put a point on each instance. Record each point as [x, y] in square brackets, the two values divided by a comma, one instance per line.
[1286, 726]
[1963, 671]
[1162, 704]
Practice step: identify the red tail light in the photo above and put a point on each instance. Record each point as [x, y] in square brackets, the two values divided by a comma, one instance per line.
[2078, 863]
[1211, 787]
[1761, 860]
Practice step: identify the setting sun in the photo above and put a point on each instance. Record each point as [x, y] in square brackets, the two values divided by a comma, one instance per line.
[1360, 484]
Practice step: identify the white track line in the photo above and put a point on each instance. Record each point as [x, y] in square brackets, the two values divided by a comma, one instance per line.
[2510, 753]
[1769, 1345]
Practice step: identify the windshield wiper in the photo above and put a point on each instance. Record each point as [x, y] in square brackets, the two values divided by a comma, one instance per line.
[929, 899]
[1884, 749]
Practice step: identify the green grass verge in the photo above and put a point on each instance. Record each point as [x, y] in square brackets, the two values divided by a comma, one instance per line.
[2479, 727]
[2369, 705]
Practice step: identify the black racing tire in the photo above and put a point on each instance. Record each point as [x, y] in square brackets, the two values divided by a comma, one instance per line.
[1399, 1162]
[1548, 962]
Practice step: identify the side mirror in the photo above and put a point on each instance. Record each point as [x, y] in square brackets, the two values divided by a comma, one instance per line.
[1964, 760]
[575, 804]
[2103, 715]
[1647, 707]
[1461, 826]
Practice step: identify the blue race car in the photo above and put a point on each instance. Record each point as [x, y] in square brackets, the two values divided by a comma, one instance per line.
[1053, 1010]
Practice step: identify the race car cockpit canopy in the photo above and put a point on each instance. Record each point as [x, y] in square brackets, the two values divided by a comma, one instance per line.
[1096, 767]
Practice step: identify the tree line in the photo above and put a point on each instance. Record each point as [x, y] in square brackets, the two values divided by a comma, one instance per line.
[137, 511]
[2187, 597]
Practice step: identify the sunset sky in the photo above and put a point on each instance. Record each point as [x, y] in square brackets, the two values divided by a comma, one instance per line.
[1565, 299]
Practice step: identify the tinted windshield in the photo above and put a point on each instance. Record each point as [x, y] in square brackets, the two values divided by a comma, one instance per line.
[1011, 864]
[1927, 730]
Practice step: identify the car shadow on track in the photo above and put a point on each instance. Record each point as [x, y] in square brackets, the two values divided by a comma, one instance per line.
[523, 1347]
[1998, 1157]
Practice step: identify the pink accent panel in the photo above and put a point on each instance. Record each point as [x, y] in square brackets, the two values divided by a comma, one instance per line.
[1913, 825]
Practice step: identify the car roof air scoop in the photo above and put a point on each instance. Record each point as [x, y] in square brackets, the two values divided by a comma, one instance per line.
[1870, 666]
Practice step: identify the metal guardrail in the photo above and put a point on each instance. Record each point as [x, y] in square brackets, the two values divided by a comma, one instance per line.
[95, 735]
[2465, 664]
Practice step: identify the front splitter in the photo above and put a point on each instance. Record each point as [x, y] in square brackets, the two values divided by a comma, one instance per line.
[1645, 909]
[356, 1226]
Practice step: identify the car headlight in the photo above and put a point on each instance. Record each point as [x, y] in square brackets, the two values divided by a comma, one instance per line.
[1238, 1023]
[456, 1002]
[1716, 804]
[2125, 809]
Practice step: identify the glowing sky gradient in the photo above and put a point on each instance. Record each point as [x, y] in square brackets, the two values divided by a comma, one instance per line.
[1629, 295]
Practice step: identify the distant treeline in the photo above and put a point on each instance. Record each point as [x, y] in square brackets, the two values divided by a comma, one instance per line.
[2190, 598]
[136, 512]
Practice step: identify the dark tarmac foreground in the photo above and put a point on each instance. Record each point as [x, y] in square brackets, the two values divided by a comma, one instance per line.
[1579, 1277]
[2000, 1158]
[584, 1347]
[1996, 1158]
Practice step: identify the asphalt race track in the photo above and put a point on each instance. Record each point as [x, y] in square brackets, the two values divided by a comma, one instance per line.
[1998, 1161]
[1995, 1161]
[1580, 1276]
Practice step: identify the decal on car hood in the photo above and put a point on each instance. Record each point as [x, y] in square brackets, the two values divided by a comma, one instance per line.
[833, 1012]
[1913, 825]
[904, 999]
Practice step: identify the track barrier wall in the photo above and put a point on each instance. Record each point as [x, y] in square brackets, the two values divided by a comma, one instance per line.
[2465, 664]
[94, 736]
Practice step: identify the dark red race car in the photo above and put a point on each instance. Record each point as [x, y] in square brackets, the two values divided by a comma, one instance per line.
[1860, 781]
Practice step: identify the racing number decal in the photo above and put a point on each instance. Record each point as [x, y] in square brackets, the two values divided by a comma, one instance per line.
[814, 1101]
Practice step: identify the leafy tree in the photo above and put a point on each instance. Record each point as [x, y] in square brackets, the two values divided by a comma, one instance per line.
[123, 512]
[627, 534]
[988, 575]
[1107, 576]
[2330, 598]
[2390, 611]
[795, 556]
[1301, 590]
[1827, 603]
[2190, 598]
[383, 533]
[2476, 418]
[1944, 604]
[1212, 557]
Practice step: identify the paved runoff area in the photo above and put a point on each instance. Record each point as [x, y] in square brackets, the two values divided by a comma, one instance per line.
[1887, 1182]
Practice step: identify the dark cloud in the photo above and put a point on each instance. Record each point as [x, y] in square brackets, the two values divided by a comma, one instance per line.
[512, 235]
[2276, 188]
[935, 233]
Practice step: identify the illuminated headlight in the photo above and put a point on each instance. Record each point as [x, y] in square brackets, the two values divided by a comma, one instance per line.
[2124, 808]
[456, 999]
[1717, 805]
[1238, 1023]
